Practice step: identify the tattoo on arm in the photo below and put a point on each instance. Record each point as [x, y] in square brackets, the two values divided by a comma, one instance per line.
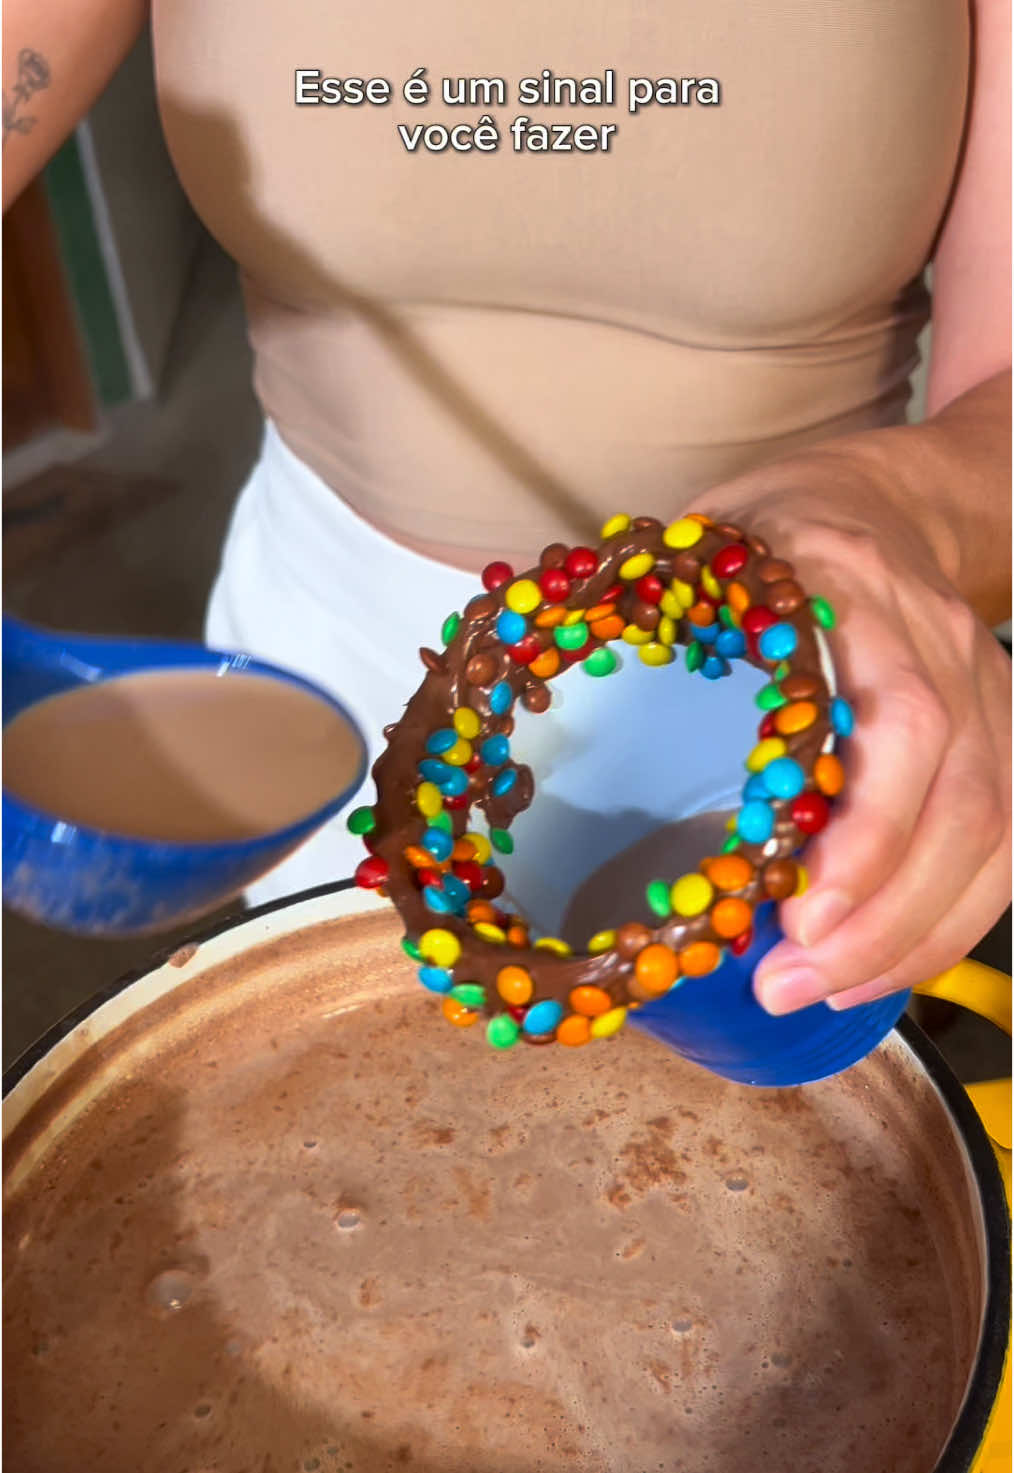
[33, 76]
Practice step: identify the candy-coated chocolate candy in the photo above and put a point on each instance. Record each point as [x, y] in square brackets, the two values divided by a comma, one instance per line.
[650, 588]
[756, 787]
[739, 945]
[463, 850]
[710, 583]
[511, 626]
[481, 846]
[523, 596]
[372, 873]
[454, 783]
[783, 778]
[686, 532]
[526, 650]
[738, 599]
[495, 935]
[822, 612]
[426, 877]
[695, 655]
[683, 592]
[470, 993]
[581, 562]
[729, 561]
[799, 686]
[635, 636]
[442, 821]
[765, 751]
[699, 958]
[704, 633]
[609, 1023]
[590, 1002]
[656, 654]
[553, 556]
[714, 668]
[428, 799]
[767, 727]
[494, 575]
[770, 698]
[731, 843]
[601, 941]
[645, 616]
[810, 812]
[785, 597]
[555, 585]
[702, 615]
[842, 719]
[503, 782]
[777, 642]
[657, 895]
[418, 857]
[501, 840]
[362, 821]
[726, 617]
[514, 985]
[450, 627]
[756, 620]
[467, 723]
[691, 894]
[795, 717]
[666, 631]
[470, 874]
[610, 627]
[802, 879]
[729, 872]
[500, 698]
[437, 842]
[438, 902]
[686, 567]
[410, 948]
[437, 979]
[441, 741]
[456, 891]
[546, 665]
[656, 968]
[440, 948]
[456, 801]
[731, 917]
[573, 1031]
[828, 774]
[459, 753]
[543, 1017]
[636, 567]
[755, 822]
[731, 643]
[619, 523]
[492, 882]
[571, 636]
[480, 669]
[502, 1031]
[631, 938]
[600, 611]
[480, 910]
[495, 750]
[517, 935]
[774, 570]
[554, 944]
[456, 1013]
[779, 878]
[600, 662]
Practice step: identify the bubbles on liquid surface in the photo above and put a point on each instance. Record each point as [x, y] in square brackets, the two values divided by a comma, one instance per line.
[348, 1219]
[310, 1145]
[170, 1290]
[202, 1411]
[682, 1326]
[737, 1183]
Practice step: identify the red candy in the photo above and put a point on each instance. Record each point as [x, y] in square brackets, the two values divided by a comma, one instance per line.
[757, 619]
[729, 560]
[810, 812]
[580, 562]
[470, 873]
[494, 575]
[372, 873]
[555, 585]
[472, 765]
[457, 802]
[424, 877]
[526, 650]
[742, 943]
[649, 588]
[767, 727]
[611, 594]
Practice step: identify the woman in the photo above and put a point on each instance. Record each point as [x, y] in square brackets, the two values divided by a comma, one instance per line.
[468, 355]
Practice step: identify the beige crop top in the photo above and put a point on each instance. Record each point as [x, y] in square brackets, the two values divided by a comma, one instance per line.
[487, 350]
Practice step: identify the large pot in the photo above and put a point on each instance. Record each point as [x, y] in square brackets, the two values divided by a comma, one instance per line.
[264, 1210]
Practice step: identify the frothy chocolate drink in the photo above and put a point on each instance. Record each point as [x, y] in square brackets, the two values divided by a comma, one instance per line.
[285, 1219]
[180, 755]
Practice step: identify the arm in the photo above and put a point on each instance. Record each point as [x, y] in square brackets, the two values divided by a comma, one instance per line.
[58, 55]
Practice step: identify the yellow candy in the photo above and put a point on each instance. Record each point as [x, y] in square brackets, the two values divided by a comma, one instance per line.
[573, 616]
[467, 723]
[428, 799]
[710, 583]
[490, 932]
[609, 1023]
[684, 533]
[553, 943]
[666, 630]
[483, 848]
[691, 895]
[765, 752]
[633, 635]
[440, 948]
[732, 824]
[656, 654]
[670, 605]
[523, 596]
[459, 754]
[618, 523]
[601, 941]
[683, 592]
[802, 880]
[637, 566]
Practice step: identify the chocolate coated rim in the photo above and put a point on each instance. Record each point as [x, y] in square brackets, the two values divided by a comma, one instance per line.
[984, 1381]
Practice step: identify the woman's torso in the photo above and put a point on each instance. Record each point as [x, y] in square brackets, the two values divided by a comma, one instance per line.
[481, 352]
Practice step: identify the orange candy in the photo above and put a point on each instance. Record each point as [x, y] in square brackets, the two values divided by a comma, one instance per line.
[455, 1012]
[549, 618]
[656, 968]
[517, 936]
[547, 664]
[610, 627]
[700, 958]
[828, 774]
[702, 615]
[795, 717]
[574, 1031]
[463, 850]
[737, 598]
[419, 858]
[729, 872]
[514, 985]
[591, 1002]
[480, 910]
[731, 917]
[600, 611]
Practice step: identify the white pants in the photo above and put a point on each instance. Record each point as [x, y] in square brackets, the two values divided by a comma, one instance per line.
[307, 584]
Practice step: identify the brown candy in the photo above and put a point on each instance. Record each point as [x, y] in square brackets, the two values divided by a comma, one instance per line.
[785, 597]
[536, 699]
[482, 607]
[686, 567]
[774, 569]
[780, 877]
[632, 938]
[481, 670]
[433, 661]
[492, 882]
[554, 556]
[647, 524]
[799, 686]
[645, 616]
[730, 530]
[758, 546]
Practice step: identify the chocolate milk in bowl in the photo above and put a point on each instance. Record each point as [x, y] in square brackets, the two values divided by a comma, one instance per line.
[264, 1210]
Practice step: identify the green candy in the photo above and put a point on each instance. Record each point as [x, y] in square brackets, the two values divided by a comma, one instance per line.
[822, 612]
[409, 947]
[770, 698]
[441, 820]
[600, 662]
[725, 616]
[695, 655]
[450, 627]
[361, 821]
[731, 843]
[781, 670]
[469, 994]
[657, 896]
[502, 1031]
[571, 636]
[501, 839]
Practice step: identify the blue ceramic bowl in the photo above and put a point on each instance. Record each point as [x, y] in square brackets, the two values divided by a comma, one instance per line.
[83, 880]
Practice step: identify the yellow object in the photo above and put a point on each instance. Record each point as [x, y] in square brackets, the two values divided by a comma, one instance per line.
[619, 523]
[684, 533]
[523, 596]
[988, 993]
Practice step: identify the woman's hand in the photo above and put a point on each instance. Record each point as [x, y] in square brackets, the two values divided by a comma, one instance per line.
[914, 867]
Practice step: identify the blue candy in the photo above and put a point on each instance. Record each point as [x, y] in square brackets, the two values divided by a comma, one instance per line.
[500, 698]
[434, 771]
[437, 901]
[457, 891]
[511, 627]
[704, 633]
[731, 643]
[454, 783]
[756, 788]
[495, 750]
[543, 1017]
[504, 781]
[441, 741]
[777, 642]
[437, 979]
[438, 842]
[842, 718]
[755, 822]
[783, 778]
[714, 668]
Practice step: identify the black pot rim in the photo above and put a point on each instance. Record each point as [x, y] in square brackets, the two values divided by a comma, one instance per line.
[969, 1429]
